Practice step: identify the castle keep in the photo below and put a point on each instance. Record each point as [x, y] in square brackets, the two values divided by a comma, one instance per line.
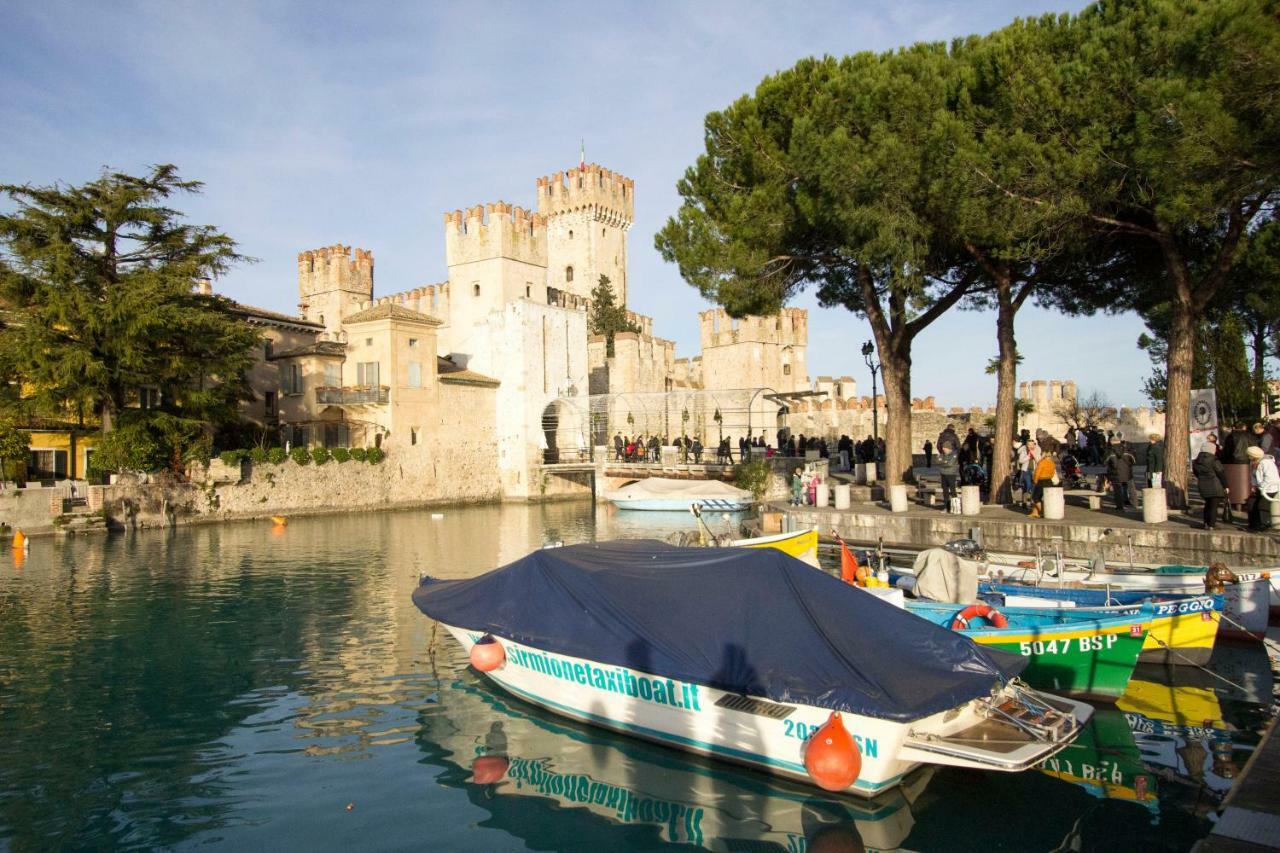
[463, 376]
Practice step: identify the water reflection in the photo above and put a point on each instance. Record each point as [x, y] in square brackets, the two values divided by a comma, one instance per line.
[238, 687]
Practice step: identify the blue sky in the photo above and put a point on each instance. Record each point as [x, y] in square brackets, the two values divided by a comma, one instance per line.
[318, 123]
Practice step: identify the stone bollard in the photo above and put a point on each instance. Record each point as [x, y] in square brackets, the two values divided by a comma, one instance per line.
[1055, 504]
[822, 496]
[970, 500]
[898, 498]
[860, 473]
[1275, 514]
[842, 496]
[1155, 506]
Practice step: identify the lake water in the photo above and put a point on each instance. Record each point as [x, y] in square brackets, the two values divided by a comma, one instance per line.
[248, 688]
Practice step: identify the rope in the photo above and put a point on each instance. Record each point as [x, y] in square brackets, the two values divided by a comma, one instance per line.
[1223, 615]
[1186, 660]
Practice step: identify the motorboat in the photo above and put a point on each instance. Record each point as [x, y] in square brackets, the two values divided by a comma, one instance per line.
[663, 494]
[750, 656]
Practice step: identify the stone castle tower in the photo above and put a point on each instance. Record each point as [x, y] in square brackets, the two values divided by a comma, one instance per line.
[332, 283]
[497, 254]
[588, 211]
[755, 351]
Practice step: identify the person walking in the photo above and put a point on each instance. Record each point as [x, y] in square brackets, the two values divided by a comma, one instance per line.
[928, 453]
[1120, 472]
[1211, 480]
[949, 472]
[1045, 474]
[1155, 461]
[1266, 489]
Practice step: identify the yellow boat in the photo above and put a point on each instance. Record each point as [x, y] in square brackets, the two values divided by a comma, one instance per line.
[1182, 632]
[803, 544]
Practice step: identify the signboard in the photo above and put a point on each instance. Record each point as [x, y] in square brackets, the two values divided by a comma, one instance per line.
[1204, 417]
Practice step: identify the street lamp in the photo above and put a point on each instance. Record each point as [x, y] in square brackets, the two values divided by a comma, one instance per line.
[868, 354]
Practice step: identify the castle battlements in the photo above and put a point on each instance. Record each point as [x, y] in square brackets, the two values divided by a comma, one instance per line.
[606, 195]
[430, 299]
[789, 327]
[335, 268]
[495, 230]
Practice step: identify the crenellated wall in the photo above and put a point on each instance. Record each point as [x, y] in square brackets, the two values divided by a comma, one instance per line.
[755, 351]
[333, 282]
[588, 212]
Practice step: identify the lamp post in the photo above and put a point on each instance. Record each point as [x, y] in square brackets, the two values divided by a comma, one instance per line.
[868, 354]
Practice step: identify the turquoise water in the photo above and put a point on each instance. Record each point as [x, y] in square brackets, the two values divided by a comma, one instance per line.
[239, 687]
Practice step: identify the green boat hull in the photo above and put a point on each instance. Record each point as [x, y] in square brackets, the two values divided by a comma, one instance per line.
[1080, 662]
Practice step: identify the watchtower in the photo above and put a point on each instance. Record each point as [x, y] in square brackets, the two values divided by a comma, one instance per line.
[588, 211]
[332, 283]
[497, 254]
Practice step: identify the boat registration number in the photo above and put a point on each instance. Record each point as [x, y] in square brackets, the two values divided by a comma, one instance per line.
[1066, 647]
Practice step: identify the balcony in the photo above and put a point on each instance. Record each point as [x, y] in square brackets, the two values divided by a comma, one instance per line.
[358, 395]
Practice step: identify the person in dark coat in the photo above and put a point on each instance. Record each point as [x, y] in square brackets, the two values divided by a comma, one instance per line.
[1120, 472]
[928, 453]
[1155, 461]
[949, 472]
[1211, 480]
[618, 446]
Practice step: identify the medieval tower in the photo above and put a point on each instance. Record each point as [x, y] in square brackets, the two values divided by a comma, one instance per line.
[332, 283]
[588, 211]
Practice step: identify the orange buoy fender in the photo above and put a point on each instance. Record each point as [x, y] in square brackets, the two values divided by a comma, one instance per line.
[831, 756]
[487, 654]
[19, 540]
[979, 611]
[487, 769]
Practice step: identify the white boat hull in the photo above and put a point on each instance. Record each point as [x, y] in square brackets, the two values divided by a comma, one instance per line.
[767, 735]
[682, 504]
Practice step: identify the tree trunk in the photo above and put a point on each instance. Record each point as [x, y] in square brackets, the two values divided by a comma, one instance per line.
[1006, 384]
[896, 362]
[1177, 412]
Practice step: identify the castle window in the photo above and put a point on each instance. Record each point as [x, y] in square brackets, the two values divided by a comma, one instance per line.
[367, 373]
[269, 403]
[475, 289]
[413, 435]
[602, 234]
[528, 290]
[266, 349]
[291, 379]
[570, 233]
[786, 370]
[368, 342]
[568, 273]
[332, 374]
[413, 342]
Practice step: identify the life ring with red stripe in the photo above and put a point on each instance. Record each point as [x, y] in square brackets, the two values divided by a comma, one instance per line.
[979, 611]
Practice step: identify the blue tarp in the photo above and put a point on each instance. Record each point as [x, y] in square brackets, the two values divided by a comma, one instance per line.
[752, 621]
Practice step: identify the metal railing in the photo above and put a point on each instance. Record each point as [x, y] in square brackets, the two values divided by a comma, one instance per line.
[360, 394]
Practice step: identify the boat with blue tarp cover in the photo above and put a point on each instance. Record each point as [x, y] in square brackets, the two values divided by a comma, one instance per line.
[751, 656]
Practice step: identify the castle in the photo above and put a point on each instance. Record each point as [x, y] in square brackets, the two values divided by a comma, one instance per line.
[471, 372]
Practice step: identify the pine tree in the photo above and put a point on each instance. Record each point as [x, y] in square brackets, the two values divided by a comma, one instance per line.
[606, 316]
[97, 283]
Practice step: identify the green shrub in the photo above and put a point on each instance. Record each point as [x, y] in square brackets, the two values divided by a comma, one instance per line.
[341, 454]
[128, 447]
[276, 455]
[300, 455]
[358, 454]
[258, 455]
[320, 455]
[232, 457]
[753, 476]
[374, 455]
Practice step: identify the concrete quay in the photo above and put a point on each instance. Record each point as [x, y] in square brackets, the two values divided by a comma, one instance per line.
[1082, 533]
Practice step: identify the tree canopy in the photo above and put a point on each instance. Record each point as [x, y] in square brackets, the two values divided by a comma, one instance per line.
[102, 315]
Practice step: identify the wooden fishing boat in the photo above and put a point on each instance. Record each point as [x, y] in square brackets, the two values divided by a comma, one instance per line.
[1246, 603]
[1067, 652]
[661, 494]
[1183, 629]
[795, 673]
[802, 544]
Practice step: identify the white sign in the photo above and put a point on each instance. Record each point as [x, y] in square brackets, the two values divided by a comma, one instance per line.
[1204, 417]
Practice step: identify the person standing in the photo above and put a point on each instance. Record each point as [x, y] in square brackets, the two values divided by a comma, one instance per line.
[1155, 461]
[797, 486]
[1211, 480]
[1045, 474]
[618, 446]
[928, 453]
[1266, 489]
[1120, 472]
[949, 472]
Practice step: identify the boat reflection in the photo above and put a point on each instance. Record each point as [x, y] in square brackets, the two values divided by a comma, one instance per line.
[1106, 761]
[515, 760]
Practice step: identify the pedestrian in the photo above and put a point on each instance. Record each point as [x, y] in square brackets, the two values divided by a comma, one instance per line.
[1211, 481]
[1120, 472]
[1265, 491]
[928, 453]
[1028, 456]
[1155, 461]
[948, 436]
[618, 446]
[797, 486]
[697, 449]
[1045, 474]
[948, 472]
[742, 448]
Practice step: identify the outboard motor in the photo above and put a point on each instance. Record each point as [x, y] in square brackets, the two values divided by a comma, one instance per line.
[967, 548]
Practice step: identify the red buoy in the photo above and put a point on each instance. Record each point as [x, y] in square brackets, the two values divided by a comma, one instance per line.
[832, 757]
[487, 654]
[979, 611]
[487, 769]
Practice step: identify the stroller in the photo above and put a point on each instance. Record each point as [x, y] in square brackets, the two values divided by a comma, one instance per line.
[973, 474]
[1071, 474]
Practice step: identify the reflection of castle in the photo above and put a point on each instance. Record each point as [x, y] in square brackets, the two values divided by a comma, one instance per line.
[467, 369]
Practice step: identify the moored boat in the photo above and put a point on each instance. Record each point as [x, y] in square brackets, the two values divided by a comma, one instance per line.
[802, 544]
[1067, 651]
[666, 495]
[643, 638]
